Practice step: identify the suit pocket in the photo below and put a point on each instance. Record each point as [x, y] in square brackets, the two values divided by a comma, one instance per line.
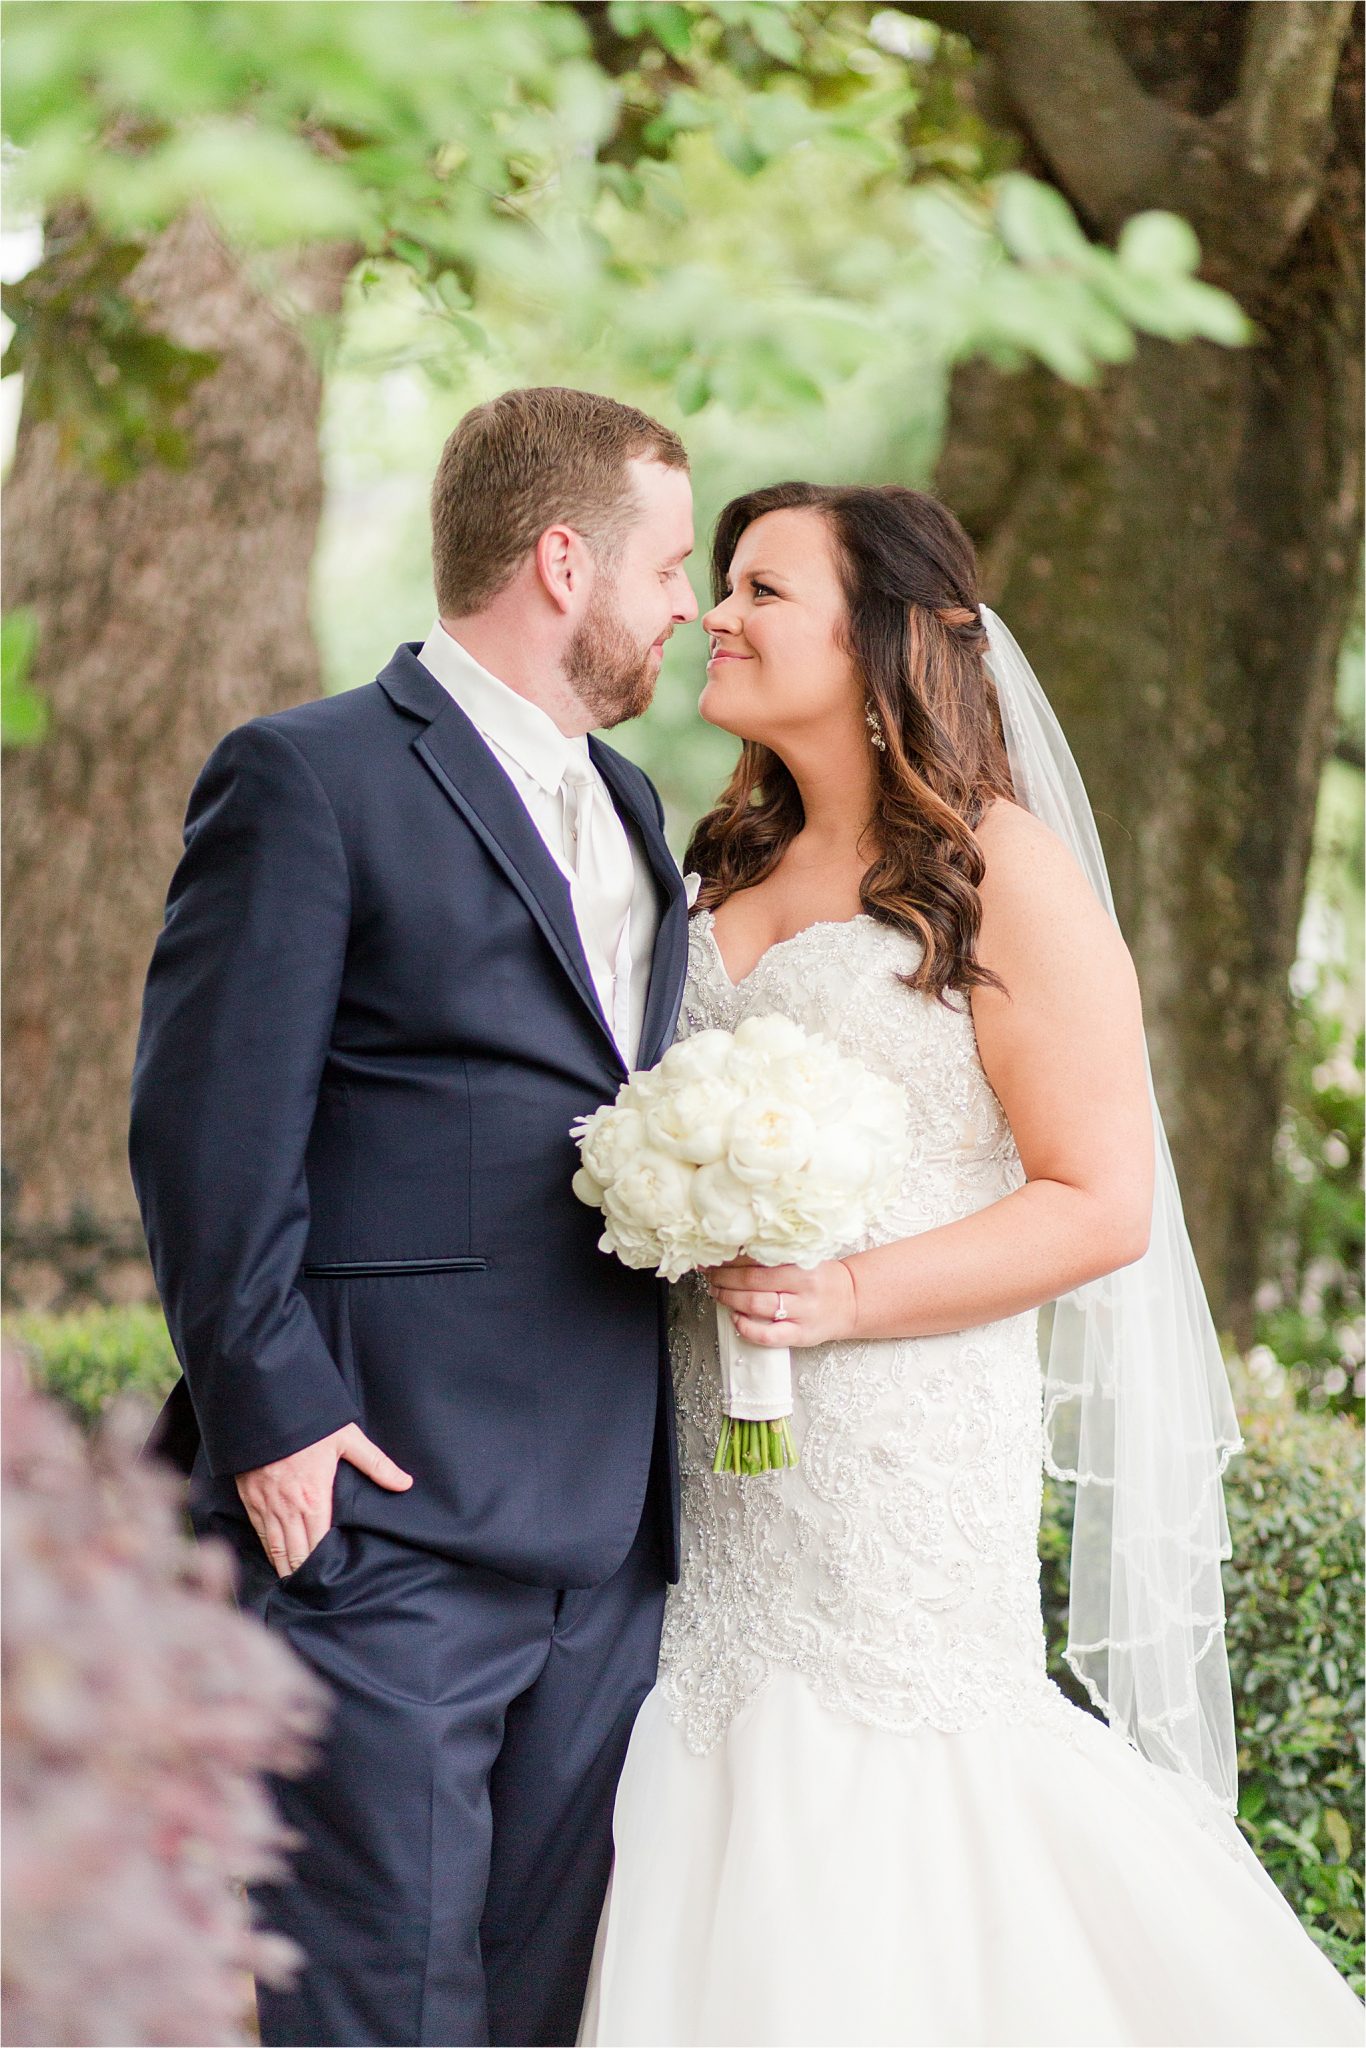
[306, 1573]
[367, 1269]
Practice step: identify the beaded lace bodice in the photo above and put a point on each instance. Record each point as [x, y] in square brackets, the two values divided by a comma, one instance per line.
[895, 1570]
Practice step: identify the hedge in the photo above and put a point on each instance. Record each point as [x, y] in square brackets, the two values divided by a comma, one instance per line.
[1294, 1593]
[87, 1357]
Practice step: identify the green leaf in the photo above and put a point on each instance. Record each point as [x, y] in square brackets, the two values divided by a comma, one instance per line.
[23, 713]
[412, 253]
[626, 184]
[771, 30]
[451, 291]
[1176, 307]
[1036, 223]
[1339, 1833]
[1158, 244]
[1216, 315]
[670, 26]
[472, 332]
[739, 147]
[627, 17]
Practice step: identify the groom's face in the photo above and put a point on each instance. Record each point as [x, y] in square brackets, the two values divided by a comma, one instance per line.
[638, 597]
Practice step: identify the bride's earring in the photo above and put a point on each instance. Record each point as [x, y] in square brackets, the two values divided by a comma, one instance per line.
[875, 729]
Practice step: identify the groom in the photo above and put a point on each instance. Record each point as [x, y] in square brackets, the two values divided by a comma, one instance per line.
[416, 930]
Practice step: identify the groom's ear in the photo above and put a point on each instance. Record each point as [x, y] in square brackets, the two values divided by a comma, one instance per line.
[561, 565]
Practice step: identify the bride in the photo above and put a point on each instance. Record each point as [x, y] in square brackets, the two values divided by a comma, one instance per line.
[855, 1809]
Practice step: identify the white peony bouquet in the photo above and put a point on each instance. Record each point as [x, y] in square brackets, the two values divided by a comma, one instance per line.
[767, 1143]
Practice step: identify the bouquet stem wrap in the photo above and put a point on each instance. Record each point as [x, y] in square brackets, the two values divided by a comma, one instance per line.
[756, 1395]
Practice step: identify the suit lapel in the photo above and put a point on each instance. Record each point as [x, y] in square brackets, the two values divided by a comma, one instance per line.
[451, 749]
[670, 953]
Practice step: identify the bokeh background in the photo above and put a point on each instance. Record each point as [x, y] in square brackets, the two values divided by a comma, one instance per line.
[1091, 273]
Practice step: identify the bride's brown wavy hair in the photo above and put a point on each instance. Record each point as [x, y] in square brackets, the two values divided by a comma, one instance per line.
[914, 630]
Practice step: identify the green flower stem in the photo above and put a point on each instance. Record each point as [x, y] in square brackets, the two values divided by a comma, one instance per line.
[744, 1447]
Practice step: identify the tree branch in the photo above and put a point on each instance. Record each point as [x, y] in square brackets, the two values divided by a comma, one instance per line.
[1279, 121]
[1112, 147]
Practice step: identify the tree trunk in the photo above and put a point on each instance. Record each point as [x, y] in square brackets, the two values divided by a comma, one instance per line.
[169, 608]
[1177, 551]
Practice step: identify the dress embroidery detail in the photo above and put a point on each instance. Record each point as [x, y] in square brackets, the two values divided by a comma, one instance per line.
[895, 1570]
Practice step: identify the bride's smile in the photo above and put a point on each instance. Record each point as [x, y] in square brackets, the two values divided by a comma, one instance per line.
[780, 673]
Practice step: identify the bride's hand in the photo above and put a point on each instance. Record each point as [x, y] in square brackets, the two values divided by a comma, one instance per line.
[821, 1304]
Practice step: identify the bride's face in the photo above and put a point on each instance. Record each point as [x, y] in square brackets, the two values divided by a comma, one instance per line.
[778, 670]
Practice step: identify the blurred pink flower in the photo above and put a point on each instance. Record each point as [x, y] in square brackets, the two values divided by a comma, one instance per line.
[139, 1710]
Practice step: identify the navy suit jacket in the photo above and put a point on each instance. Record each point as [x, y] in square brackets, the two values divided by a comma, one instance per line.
[367, 1027]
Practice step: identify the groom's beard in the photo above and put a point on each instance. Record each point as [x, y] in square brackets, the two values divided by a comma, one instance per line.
[611, 674]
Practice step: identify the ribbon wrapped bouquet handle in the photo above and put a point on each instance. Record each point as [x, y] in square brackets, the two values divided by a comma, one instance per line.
[756, 1401]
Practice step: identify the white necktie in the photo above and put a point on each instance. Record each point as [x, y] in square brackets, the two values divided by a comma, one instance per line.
[600, 855]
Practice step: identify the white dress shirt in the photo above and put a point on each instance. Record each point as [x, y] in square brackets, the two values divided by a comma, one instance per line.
[534, 754]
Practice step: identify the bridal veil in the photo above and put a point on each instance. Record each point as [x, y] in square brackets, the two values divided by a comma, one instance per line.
[1137, 1408]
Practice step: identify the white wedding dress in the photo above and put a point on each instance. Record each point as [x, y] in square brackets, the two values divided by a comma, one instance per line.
[855, 1809]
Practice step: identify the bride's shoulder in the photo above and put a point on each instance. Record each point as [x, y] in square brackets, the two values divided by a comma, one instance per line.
[1015, 845]
[1005, 823]
[1032, 879]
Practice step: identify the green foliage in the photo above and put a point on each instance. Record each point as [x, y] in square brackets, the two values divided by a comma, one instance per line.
[1330, 965]
[1147, 283]
[411, 132]
[23, 713]
[314, 122]
[1295, 1590]
[90, 364]
[1310, 1306]
[780, 31]
[613, 180]
[1311, 1319]
[88, 1357]
[1294, 1593]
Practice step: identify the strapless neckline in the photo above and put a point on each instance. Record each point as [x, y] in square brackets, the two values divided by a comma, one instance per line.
[820, 924]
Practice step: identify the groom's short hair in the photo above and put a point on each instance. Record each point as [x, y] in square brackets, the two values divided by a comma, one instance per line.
[528, 460]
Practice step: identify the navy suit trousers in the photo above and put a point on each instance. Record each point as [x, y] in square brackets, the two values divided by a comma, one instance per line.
[457, 1832]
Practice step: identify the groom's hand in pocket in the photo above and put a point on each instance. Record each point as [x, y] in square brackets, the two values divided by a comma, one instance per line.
[290, 1500]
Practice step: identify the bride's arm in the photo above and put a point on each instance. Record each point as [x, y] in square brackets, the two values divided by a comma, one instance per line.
[1064, 1053]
